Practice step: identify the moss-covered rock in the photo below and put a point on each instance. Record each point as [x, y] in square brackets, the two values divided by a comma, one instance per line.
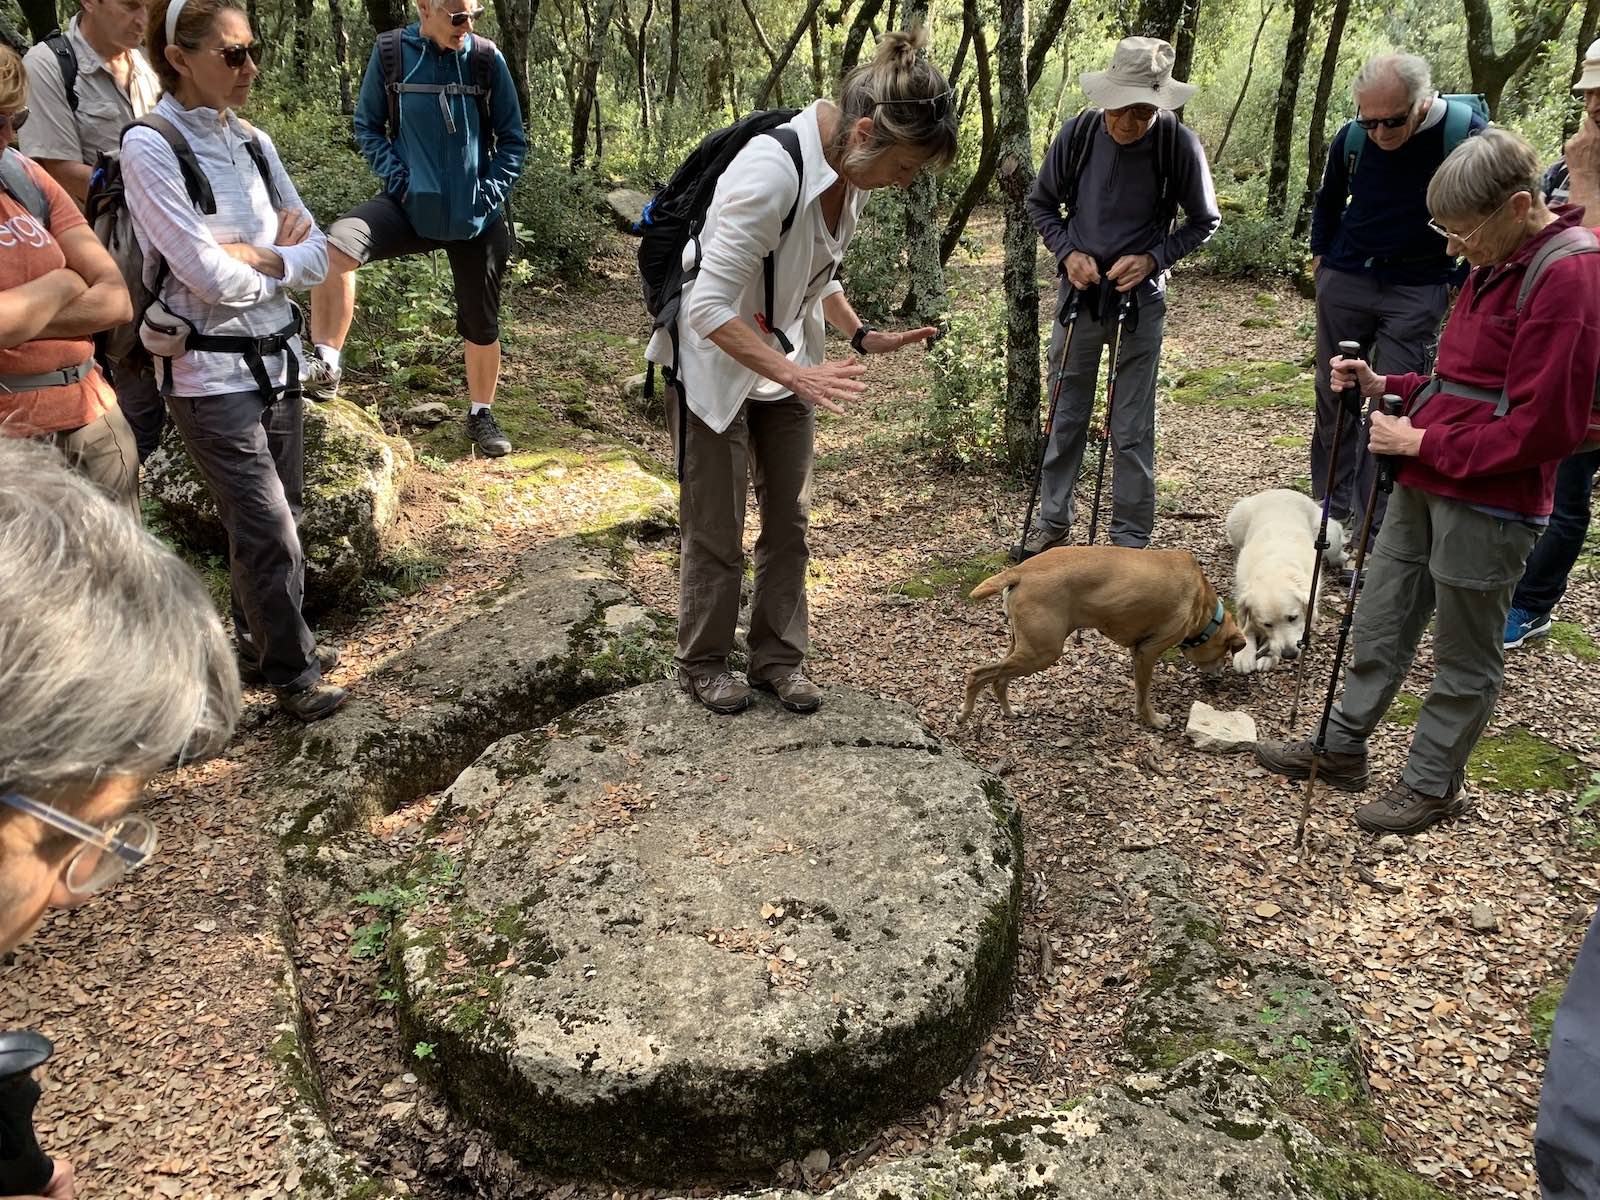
[1247, 385]
[679, 946]
[354, 473]
[1518, 760]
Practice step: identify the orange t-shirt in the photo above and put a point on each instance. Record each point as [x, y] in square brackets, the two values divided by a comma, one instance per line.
[27, 251]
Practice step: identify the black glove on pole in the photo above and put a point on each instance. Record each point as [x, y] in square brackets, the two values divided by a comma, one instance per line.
[1382, 481]
[1349, 400]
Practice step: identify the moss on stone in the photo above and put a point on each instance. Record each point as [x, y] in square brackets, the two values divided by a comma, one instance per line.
[1246, 385]
[1520, 761]
[1291, 442]
[939, 575]
[1542, 1011]
[1350, 1175]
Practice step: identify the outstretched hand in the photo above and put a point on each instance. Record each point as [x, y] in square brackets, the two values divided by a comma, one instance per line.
[828, 385]
[881, 341]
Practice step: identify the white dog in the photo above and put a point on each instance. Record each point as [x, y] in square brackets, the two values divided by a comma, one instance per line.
[1274, 535]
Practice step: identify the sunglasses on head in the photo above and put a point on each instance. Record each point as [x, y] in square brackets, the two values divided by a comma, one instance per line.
[465, 17]
[234, 56]
[940, 104]
[14, 121]
[1371, 123]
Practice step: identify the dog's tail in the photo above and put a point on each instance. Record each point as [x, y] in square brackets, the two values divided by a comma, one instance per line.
[995, 583]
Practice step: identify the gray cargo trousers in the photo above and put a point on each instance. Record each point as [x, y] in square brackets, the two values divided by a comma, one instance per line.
[1133, 422]
[1432, 555]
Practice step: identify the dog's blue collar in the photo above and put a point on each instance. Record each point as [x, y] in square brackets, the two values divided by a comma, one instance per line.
[1204, 636]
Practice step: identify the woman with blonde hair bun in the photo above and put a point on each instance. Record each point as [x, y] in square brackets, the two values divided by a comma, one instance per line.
[747, 367]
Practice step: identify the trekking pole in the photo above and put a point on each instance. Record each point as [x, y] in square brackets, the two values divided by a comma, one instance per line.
[1382, 481]
[1068, 317]
[1111, 392]
[1350, 400]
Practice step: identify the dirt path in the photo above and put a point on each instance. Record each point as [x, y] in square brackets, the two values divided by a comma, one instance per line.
[159, 997]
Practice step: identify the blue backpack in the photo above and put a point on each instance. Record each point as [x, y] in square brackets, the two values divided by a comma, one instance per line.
[1458, 113]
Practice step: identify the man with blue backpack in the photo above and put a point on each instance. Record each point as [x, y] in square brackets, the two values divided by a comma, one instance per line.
[1383, 277]
[439, 122]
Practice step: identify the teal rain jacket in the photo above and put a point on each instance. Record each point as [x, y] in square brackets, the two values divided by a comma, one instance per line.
[451, 182]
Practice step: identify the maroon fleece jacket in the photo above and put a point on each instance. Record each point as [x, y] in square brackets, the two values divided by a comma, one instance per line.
[1547, 358]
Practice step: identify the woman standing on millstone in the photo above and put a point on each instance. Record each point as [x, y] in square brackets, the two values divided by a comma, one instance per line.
[748, 363]
[225, 235]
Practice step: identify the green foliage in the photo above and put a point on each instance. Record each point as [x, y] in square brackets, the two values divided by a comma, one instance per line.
[422, 1050]
[1586, 815]
[559, 225]
[963, 422]
[1542, 1012]
[1250, 243]
[875, 274]
[318, 147]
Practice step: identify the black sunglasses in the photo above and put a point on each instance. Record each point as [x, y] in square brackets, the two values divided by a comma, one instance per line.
[234, 56]
[940, 103]
[1371, 123]
[15, 120]
[462, 18]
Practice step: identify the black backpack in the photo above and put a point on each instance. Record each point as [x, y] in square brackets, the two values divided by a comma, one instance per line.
[678, 212]
[1082, 142]
[480, 66]
[106, 210]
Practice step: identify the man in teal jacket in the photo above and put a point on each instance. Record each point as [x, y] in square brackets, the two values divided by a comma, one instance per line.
[439, 121]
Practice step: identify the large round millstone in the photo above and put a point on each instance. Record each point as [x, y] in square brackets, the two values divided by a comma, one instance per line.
[678, 946]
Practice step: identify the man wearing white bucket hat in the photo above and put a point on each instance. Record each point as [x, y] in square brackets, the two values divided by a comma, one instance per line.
[1106, 203]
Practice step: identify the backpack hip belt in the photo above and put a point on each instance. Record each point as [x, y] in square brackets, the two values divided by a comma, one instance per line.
[63, 377]
[1438, 384]
[254, 351]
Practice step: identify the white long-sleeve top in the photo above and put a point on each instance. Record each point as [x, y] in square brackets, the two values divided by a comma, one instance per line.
[742, 224]
[219, 294]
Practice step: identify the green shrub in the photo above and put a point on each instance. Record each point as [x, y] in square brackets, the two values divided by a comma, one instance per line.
[559, 222]
[964, 418]
[875, 274]
[1250, 242]
[318, 147]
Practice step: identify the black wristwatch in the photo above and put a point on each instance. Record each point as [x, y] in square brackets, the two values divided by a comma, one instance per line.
[858, 339]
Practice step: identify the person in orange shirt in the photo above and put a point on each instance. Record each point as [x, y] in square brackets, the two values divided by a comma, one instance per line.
[58, 287]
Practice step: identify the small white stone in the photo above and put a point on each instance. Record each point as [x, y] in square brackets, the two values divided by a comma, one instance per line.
[1484, 920]
[1391, 844]
[1211, 729]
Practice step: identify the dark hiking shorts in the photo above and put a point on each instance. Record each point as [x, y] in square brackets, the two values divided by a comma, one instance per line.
[380, 229]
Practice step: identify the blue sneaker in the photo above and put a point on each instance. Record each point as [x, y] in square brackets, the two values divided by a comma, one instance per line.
[1524, 626]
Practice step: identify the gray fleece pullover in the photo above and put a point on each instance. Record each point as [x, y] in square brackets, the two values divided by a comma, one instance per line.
[1117, 201]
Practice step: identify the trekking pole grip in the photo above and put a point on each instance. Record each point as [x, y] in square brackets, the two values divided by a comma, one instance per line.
[1352, 394]
[1388, 463]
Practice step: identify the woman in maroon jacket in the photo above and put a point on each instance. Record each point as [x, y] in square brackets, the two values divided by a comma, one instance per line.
[1478, 447]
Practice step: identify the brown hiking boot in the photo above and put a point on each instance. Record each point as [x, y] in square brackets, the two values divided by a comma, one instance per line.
[1292, 760]
[1403, 809]
[312, 703]
[794, 691]
[1037, 542]
[720, 691]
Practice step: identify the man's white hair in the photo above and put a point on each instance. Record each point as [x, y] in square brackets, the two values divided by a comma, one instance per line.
[1409, 71]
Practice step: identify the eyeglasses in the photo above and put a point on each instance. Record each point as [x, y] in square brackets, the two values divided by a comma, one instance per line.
[1464, 238]
[465, 17]
[106, 855]
[234, 56]
[15, 121]
[940, 103]
[1371, 123]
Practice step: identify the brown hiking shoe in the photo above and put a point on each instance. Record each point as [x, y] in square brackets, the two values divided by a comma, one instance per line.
[720, 691]
[313, 703]
[794, 691]
[1403, 809]
[1037, 542]
[1292, 760]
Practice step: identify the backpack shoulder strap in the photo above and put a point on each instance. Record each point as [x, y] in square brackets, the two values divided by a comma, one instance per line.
[1166, 164]
[389, 63]
[194, 179]
[1576, 240]
[1457, 124]
[1078, 147]
[482, 67]
[1355, 141]
[790, 141]
[786, 137]
[258, 156]
[22, 187]
[67, 60]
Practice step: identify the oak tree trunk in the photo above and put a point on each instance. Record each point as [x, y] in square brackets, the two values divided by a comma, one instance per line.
[1492, 69]
[1020, 274]
[1317, 142]
[341, 54]
[925, 301]
[1294, 61]
[978, 185]
[588, 99]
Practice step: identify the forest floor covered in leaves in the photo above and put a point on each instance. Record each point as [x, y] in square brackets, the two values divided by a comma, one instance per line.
[160, 996]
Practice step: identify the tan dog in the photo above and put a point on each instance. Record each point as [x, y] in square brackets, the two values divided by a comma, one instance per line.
[1147, 600]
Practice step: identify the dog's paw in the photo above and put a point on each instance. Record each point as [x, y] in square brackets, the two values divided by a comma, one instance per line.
[1244, 661]
[1160, 720]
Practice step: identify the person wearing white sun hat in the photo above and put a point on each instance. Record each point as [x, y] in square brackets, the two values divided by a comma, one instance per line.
[1119, 170]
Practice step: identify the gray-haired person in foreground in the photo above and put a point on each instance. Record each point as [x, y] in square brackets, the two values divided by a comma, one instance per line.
[113, 666]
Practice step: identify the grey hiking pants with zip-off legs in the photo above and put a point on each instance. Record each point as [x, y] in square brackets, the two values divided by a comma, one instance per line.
[1433, 556]
[1132, 454]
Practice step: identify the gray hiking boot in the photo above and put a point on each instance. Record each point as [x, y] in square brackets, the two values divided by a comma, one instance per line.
[1292, 760]
[1037, 542]
[721, 691]
[794, 691]
[320, 379]
[485, 431]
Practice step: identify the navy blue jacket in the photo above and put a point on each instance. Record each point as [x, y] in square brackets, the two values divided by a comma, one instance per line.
[1382, 229]
[1566, 1142]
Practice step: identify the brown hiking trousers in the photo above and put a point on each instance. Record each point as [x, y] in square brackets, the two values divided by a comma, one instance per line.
[770, 444]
